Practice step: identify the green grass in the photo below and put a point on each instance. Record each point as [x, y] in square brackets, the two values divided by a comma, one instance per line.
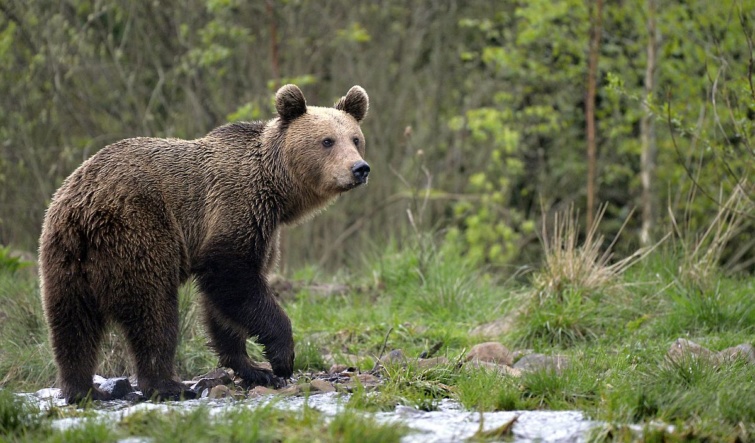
[615, 331]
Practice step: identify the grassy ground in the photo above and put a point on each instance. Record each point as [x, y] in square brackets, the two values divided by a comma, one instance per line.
[614, 321]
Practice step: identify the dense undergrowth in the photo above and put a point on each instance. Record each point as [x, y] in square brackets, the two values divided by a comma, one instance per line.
[615, 323]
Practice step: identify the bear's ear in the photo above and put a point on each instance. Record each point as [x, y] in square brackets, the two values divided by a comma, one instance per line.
[355, 102]
[290, 103]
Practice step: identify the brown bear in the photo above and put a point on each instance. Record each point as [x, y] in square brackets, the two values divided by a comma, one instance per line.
[143, 215]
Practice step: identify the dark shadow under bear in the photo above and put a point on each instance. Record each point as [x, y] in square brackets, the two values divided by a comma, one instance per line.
[143, 215]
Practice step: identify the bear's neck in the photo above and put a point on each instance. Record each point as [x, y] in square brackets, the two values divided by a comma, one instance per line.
[283, 194]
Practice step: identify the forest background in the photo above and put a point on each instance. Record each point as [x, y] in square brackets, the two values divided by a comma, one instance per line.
[483, 113]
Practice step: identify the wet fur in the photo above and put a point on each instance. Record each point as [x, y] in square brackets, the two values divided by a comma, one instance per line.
[143, 215]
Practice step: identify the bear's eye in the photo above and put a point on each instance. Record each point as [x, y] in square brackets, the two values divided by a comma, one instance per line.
[356, 141]
[328, 142]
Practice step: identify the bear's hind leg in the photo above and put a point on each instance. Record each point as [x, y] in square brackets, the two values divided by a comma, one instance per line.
[151, 328]
[76, 328]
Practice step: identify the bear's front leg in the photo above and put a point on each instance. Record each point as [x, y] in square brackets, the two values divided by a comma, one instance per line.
[238, 307]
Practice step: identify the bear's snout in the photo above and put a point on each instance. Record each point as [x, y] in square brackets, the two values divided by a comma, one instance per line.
[360, 170]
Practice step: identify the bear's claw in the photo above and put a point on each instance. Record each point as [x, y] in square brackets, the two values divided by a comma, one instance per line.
[261, 377]
[169, 390]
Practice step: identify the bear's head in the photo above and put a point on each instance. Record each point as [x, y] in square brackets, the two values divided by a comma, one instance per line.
[323, 148]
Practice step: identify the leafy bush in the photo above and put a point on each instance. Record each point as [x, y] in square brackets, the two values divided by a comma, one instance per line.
[11, 263]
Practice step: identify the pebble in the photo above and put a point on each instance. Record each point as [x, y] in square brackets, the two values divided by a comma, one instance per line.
[491, 351]
[219, 391]
[322, 385]
[290, 390]
[426, 363]
[744, 351]
[118, 388]
[540, 362]
[258, 391]
[394, 357]
[683, 348]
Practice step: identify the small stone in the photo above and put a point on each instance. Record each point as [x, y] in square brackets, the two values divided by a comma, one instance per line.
[98, 380]
[426, 363]
[321, 385]
[206, 383]
[135, 397]
[519, 353]
[394, 357]
[683, 348]
[220, 391]
[338, 369]
[47, 393]
[261, 390]
[744, 351]
[540, 362]
[368, 379]
[117, 387]
[290, 390]
[218, 373]
[491, 352]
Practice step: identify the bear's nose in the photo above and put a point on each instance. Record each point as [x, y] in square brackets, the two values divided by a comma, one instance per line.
[361, 170]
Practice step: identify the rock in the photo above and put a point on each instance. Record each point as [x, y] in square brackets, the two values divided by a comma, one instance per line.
[287, 290]
[519, 353]
[258, 391]
[683, 348]
[495, 328]
[290, 390]
[118, 388]
[135, 397]
[98, 380]
[321, 385]
[540, 362]
[47, 393]
[207, 383]
[225, 376]
[367, 379]
[491, 351]
[395, 357]
[426, 363]
[219, 391]
[282, 288]
[490, 366]
[342, 369]
[745, 351]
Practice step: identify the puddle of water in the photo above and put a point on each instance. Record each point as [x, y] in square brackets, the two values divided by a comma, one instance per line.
[450, 423]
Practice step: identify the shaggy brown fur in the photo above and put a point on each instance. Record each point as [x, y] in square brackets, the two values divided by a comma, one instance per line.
[141, 216]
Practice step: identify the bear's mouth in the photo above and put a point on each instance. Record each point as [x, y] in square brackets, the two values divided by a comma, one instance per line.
[351, 185]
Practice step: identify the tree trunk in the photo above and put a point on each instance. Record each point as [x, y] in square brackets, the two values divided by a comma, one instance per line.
[274, 61]
[647, 134]
[592, 73]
